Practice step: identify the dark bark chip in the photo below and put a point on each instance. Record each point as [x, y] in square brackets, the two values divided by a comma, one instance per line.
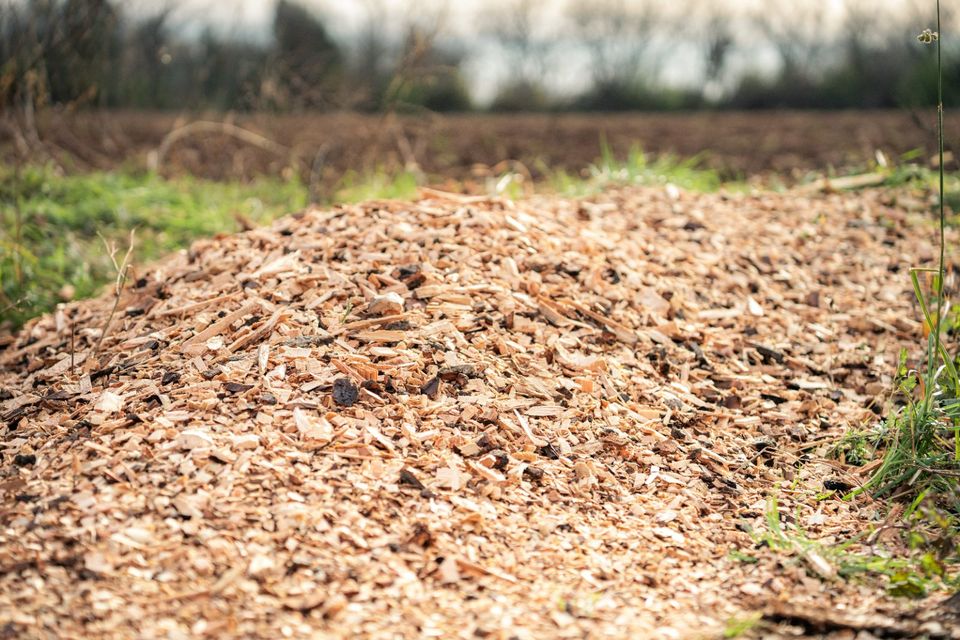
[345, 393]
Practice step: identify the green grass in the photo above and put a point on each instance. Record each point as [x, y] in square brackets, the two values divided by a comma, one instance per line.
[907, 173]
[638, 169]
[50, 226]
[740, 625]
[926, 560]
[379, 185]
[919, 437]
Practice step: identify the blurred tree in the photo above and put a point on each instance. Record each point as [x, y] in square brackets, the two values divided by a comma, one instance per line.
[306, 64]
[145, 58]
[872, 56]
[93, 53]
[231, 72]
[804, 43]
[428, 75]
[372, 70]
[58, 50]
[84, 37]
[416, 70]
[801, 35]
[521, 29]
[623, 40]
[719, 40]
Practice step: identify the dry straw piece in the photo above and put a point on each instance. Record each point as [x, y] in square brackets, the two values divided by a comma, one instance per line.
[457, 417]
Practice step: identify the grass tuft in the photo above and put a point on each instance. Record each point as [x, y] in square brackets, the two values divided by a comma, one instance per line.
[639, 169]
[740, 625]
[922, 437]
[378, 185]
[925, 560]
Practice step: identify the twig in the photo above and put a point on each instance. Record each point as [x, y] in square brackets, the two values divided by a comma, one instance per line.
[73, 344]
[121, 269]
[316, 171]
[410, 163]
[9, 123]
[155, 158]
[941, 472]
[17, 230]
[12, 305]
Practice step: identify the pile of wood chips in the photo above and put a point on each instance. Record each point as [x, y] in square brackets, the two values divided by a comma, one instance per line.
[462, 417]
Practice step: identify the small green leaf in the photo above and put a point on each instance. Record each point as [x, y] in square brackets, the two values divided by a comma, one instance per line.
[736, 554]
[907, 585]
[930, 565]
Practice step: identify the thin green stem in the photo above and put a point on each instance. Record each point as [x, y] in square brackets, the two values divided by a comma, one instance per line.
[935, 345]
[940, 136]
[941, 269]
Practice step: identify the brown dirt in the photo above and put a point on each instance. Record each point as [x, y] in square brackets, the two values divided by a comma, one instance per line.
[464, 418]
[737, 144]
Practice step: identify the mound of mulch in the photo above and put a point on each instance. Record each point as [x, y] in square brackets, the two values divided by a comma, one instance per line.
[463, 417]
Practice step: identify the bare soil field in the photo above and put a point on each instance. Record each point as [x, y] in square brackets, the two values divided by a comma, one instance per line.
[470, 417]
[736, 144]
